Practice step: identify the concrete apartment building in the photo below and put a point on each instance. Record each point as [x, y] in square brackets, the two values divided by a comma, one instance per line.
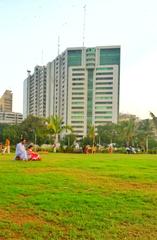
[34, 93]
[83, 87]
[11, 117]
[6, 101]
[6, 114]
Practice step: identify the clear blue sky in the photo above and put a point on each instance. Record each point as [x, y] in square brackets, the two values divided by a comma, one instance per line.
[29, 34]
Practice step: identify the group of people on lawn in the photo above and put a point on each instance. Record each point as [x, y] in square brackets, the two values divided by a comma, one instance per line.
[22, 153]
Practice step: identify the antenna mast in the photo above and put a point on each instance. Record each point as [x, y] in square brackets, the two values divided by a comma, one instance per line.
[42, 57]
[28, 72]
[84, 23]
[58, 44]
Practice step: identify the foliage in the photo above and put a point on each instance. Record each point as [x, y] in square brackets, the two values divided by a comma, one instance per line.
[106, 133]
[144, 132]
[154, 118]
[91, 132]
[56, 127]
[130, 131]
[34, 130]
[68, 140]
[139, 133]
[11, 131]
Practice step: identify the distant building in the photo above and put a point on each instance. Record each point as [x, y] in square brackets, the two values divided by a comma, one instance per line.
[6, 101]
[34, 93]
[11, 117]
[6, 114]
[127, 117]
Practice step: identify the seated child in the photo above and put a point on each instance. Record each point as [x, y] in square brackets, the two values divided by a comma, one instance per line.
[33, 156]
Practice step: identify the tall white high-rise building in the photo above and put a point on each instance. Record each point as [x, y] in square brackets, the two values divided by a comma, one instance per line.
[34, 93]
[83, 87]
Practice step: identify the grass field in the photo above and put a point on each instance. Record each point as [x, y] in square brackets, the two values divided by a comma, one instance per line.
[77, 196]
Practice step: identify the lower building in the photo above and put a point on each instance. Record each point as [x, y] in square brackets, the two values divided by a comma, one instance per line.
[10, 117]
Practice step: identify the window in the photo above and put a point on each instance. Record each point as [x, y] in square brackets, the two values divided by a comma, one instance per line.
[104, 73]
[77, 122]
[77, 88]
[104, 83]
[78, 74]
[78, 84]
[77, 103]
[77, 117]
[74, 57]
[77, 69]
[77, 113]
[90, 97]
[103, 103]
[104, 68]
[77, 79]
[106, 112]
[77, 98]
[103, 98]
[110, 56]
[103, 93]
[103, 88]
[77, 108]
[104, 78]
[102, 117]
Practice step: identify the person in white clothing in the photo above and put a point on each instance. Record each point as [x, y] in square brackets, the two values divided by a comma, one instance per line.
[21, 153]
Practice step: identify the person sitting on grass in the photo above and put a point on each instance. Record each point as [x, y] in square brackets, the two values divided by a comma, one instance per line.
[32, 156]
[21, 153]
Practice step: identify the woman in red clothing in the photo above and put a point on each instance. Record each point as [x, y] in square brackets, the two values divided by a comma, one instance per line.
[32, 155]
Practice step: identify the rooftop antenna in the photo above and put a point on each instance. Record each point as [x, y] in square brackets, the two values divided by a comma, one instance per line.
[58, 44]
[42, 57]
[84, 23]
[28, 72]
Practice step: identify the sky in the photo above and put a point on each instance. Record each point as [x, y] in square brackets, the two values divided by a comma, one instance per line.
[29, 31]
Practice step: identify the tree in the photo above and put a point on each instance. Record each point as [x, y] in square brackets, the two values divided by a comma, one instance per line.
[68, 140]
[144, 131]
[107, 133]
[154, 118]
[33, 128]
[130, 131]
[91, 133]
[11, 131]
[56, 127]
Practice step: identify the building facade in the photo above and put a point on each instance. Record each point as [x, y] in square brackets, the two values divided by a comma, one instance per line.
[83, 87]
[6, 101]
[34, 93]
[6, 114]
[11, 117]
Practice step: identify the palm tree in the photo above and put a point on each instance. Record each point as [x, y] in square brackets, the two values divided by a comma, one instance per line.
[154, 118]
[145, 131]
[56, 127]
[130, 131]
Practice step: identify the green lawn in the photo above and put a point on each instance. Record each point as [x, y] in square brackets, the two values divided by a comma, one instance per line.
[77, 196]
